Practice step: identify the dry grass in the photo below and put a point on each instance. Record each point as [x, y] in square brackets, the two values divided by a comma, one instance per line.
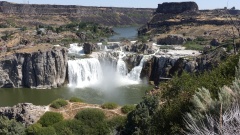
[72, 109]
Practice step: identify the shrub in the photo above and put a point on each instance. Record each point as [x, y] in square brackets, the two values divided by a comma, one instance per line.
[46, 131]
[94, 121]
[49, 118]
[58, 103]
[69, 127]
[33, 129]
[90, 115]
[117, 122]
[127, 108]
[10, 127]
[75, 99]
[109, 106]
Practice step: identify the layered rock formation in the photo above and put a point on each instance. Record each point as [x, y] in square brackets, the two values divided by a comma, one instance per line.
[43, 66]
[176, 7]
[25, 113]
[102, 15]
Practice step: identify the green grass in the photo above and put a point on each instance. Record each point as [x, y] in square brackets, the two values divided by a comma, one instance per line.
[191, 45]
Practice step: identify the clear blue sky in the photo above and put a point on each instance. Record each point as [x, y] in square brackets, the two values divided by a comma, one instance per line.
[203, 4]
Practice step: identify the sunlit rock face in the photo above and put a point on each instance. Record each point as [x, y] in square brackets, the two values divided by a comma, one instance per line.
[38, 69]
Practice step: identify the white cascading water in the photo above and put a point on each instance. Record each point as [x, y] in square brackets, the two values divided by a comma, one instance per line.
[84, 72]
[75, 49]
[88, 72]
[135, 73]
[121, 66]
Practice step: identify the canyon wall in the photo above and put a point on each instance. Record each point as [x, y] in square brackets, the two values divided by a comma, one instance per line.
[102, 15]
[44, 68]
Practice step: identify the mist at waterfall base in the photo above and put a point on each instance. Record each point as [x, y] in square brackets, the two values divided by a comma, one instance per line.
[106, 79]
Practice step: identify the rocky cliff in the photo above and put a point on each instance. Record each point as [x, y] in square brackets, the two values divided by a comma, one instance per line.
[42, 66]
[161, 67]
[103, 15]
[176, 7]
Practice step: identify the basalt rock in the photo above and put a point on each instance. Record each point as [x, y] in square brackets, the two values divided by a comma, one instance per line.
[177, 7]
[44, 68]
[161, 67]
[25, 113]
[172, 40]
[87, 47]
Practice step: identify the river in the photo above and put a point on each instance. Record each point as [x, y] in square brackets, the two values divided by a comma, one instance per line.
[126, 94]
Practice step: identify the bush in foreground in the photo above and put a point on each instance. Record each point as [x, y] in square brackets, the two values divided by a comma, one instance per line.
[46, 131]
[49, 118]
[69, 127]
[127, 108]
[94, 121]
[75, 99]
[10, 127]
[117, 122]
[33, 129]
[109, 106]
[90, 116]
[58, 103]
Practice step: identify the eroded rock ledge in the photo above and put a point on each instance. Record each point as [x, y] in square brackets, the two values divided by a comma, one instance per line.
[26, 113]
[42, 66]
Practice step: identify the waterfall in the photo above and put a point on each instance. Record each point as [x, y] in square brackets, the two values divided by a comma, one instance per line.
[90, 73]
[75, 49]
[121, 65]
[84, 72]
[135, 73]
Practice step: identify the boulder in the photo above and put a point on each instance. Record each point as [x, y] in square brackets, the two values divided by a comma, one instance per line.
[87, 47]
[215, 42]
[172, 40]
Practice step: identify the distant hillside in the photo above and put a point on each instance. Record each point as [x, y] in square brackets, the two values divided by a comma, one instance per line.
[103, 15]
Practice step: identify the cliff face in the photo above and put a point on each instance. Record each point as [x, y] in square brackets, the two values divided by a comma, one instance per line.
[102, 15]
[40, 69]
[175, 7]
[165, 67]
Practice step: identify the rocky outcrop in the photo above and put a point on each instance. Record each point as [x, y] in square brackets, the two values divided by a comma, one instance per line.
[25, 113]
[161, 67]
[176, 7]
[87, 47]
[139, 48]
[172, 40]
[41, 68]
